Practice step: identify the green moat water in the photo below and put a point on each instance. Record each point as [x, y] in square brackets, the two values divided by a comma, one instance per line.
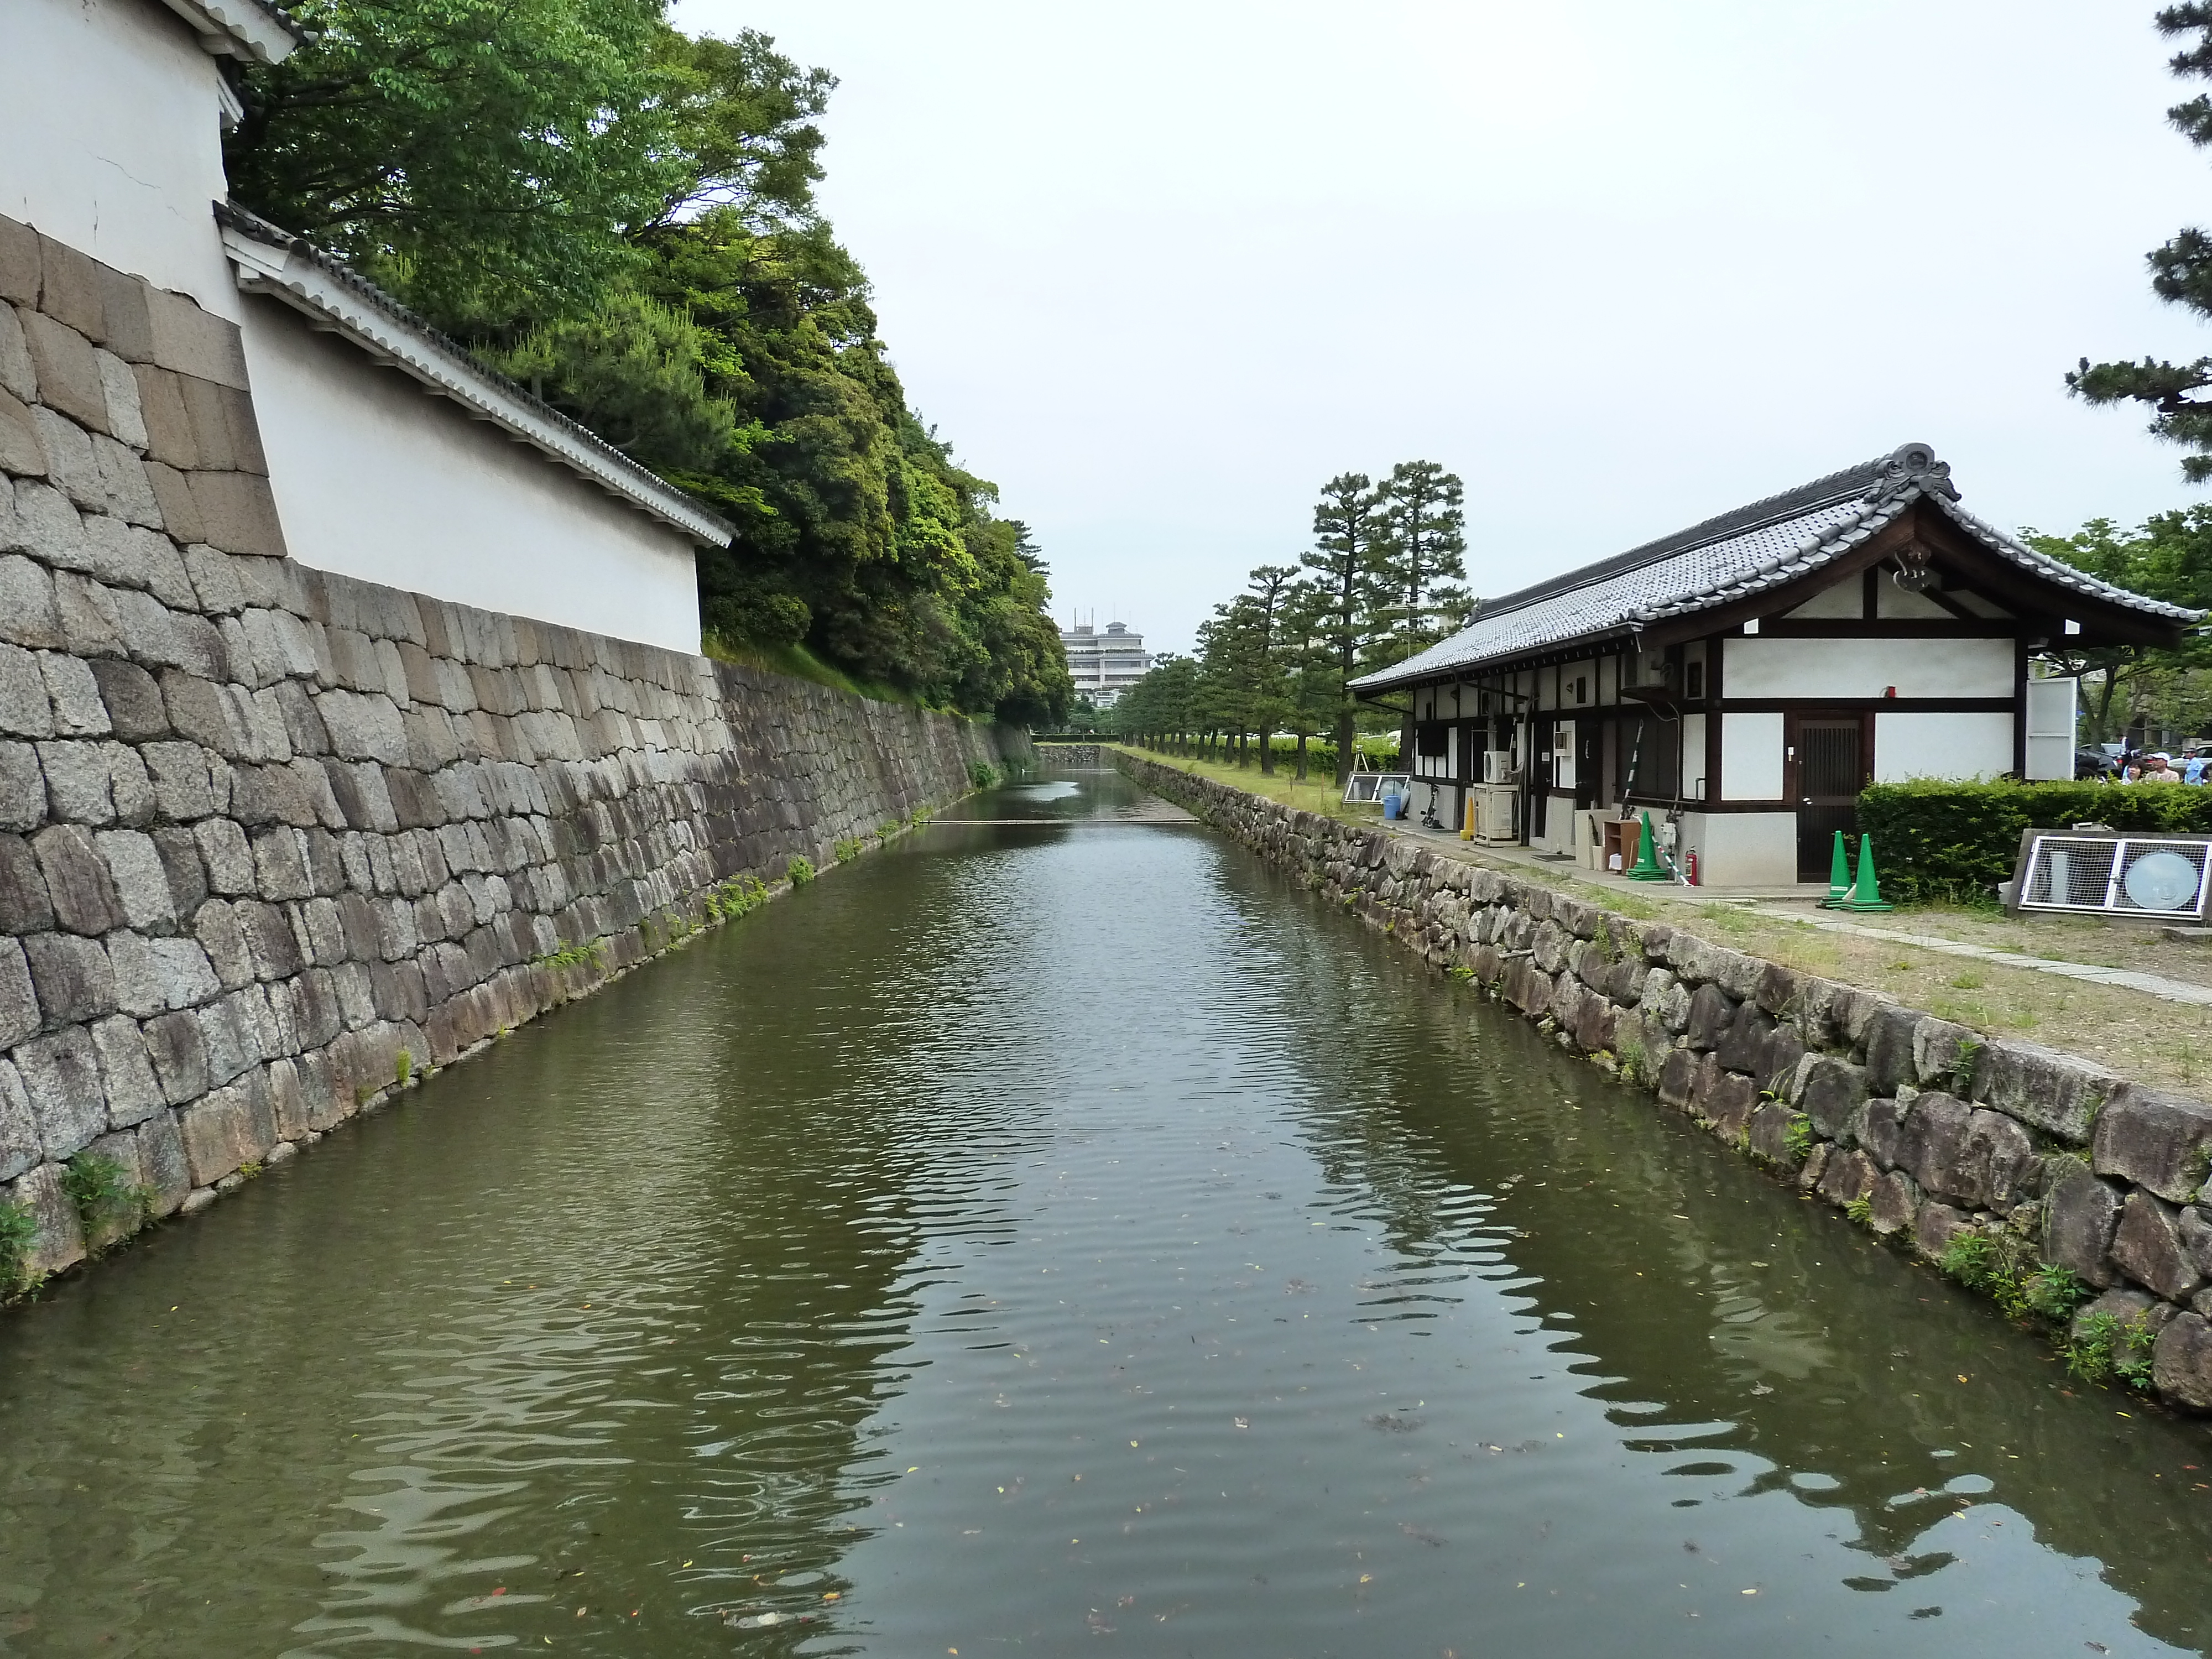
[1044, 1239]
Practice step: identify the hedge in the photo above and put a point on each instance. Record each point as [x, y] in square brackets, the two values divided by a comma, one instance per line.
[1959, 840]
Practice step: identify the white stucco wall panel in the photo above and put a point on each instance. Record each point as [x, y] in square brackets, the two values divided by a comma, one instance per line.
[1839, 601]
[377, 479]
[1693, 756]
[1765, 667]
[111, 139]
[1928, 745]
[1751, 757]
[1743, 849]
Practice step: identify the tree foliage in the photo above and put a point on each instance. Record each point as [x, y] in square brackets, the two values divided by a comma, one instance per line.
[2168, 556]
[1381, 581]
[623, 217]
[2180, 273]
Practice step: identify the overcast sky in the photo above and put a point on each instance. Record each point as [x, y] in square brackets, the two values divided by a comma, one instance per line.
[1161, 270]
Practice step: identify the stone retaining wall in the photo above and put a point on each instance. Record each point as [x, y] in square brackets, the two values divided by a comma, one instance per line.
[265, 831]
[1921, 1129]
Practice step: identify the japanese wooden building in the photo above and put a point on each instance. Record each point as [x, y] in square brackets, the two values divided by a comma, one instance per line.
[1750, 674]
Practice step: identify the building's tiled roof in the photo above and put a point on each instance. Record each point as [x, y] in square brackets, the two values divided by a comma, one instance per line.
[275, 261]
[1747, 551]
[263, 31]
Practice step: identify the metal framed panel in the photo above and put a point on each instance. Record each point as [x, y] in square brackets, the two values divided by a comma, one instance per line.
[2134, 877]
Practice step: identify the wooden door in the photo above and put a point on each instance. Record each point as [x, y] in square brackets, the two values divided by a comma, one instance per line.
[1831, 759]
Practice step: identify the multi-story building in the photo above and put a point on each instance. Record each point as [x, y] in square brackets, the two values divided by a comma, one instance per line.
[1104, 665]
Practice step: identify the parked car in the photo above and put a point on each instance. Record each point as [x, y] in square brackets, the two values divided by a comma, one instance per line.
[2096, 760]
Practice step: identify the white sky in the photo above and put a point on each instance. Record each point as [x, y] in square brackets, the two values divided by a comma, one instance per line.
[1160, 270]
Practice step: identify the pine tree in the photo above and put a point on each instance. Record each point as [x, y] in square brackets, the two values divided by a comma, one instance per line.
[1422, 567]
[1349, 535]
[2181, 271]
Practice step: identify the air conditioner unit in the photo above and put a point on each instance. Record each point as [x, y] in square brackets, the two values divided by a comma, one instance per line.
[1644, 670]
[1496, 815]
[1497, 765]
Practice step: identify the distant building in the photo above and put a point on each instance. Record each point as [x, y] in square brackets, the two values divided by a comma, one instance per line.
[1104, 665]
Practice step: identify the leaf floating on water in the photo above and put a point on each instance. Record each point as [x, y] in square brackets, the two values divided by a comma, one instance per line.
[1760, 1388]
[1241, 1422]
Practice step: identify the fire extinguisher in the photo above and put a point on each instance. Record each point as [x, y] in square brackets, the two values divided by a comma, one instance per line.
[1690, 863]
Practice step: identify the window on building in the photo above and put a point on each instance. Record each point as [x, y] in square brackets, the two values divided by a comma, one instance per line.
[1693, 682]
[1432, 738]
[1650, 757]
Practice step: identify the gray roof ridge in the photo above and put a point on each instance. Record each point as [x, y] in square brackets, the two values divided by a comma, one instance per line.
[1860, 480]
[2058, 570]
[230, 214]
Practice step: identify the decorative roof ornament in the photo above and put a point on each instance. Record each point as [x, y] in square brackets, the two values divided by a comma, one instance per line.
[1910, 465]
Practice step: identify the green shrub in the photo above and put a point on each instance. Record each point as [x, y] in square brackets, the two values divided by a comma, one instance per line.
[982, 774]
[1959, 840]
[107, 1199]
[800, 871]
[2105, 1345]
[569, 956]
[848, 849]
[19, 1234]
[2055, 1294]
[735, 897]
[1995, 1265]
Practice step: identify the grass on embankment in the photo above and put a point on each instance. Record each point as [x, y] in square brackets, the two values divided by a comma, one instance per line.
[2167, 1044]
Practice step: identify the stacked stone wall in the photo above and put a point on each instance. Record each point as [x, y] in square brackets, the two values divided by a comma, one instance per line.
[1921, 1129]
[265, 831]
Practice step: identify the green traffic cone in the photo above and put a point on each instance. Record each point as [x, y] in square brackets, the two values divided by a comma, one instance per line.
[1839, 876]
[1866, 891]
[1647, 867]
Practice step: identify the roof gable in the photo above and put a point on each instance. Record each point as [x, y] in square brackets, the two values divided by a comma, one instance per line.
[1765, 545]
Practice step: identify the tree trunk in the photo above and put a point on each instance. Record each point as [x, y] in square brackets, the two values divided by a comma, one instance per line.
[1299, 776]
[1347, 737]
[1267, 754]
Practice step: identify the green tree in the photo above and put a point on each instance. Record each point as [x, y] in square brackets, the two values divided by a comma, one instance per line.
[2168, 556]
[622, 217]
[1350, 538]
[481, 158]
[2181, 273]
[1421, 566]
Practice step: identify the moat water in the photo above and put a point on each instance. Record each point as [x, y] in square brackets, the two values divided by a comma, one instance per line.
[1051, 1238]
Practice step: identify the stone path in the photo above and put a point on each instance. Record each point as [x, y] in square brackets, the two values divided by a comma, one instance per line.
[2156, 984]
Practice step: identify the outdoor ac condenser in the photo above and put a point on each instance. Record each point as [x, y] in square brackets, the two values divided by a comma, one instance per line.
[1497, 814]
[1497, 765]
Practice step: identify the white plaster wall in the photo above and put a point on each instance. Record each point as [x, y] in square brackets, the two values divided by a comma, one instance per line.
[1868, 667]
[1693, 754]
[1743, 849]
[1891, 600]
[1910, 745]
[1751, 756]
[111, 139]
[375, 478]
[1838, 600]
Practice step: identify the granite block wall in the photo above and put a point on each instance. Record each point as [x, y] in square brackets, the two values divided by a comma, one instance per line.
[1921, 1130]
[263, 829]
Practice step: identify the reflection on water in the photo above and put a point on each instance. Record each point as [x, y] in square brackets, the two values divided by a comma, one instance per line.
[1025, 1236]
